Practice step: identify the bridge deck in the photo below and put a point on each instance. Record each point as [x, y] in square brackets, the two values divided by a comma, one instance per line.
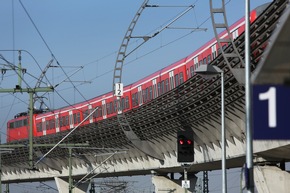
[196, 103]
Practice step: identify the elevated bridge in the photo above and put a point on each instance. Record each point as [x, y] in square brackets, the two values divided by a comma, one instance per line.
[196, 102]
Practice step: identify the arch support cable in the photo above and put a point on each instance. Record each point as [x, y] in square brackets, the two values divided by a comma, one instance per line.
[232, 57]
[142, 145]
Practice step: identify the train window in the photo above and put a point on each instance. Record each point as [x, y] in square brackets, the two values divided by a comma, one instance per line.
[181, 77]
[86, 113]
[52, 124]
[100, 111]
[108, 108]
[111, 107]
[159, 88]
[219, 51]
[122, 104]
[127, 102]
[66, 120]
[77, 118]
[60, 122]
[150, 93]
[162, 87]
[63, 121]
[115, 105]
[191, 71]
[166, 85]
[209, 58]
[224, 46]
[11, 125]
[204, 61]
[176, 80]
[39, 127]
[133, 100]
[96, 113]
[17, 124]
[137, 98]
[47, 125]
[25, 122]
[146, 95]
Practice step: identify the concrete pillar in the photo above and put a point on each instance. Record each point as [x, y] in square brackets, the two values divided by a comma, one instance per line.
[62, 186]
[270, 179]
[165, 185]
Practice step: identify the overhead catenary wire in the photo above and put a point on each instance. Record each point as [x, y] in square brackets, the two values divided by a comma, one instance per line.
[68, 134]
[136, 59]
[47, 46]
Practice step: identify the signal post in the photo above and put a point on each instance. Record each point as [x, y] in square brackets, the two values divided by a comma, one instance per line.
[185, 153]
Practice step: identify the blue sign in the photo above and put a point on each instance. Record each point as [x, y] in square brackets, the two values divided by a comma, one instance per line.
[271, 112]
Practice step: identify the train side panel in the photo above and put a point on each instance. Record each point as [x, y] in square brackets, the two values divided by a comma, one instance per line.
[135, 95]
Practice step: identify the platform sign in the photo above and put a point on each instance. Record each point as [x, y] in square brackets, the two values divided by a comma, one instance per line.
[119, 89]
[271, 112]
[185, 184]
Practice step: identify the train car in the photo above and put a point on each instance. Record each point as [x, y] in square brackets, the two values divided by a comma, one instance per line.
[18, 128]
[135, 95]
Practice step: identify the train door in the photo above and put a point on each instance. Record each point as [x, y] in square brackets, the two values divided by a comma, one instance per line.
[57, 123]
[90, 107]
[235, 34]
[213, 51]
[171, 80]
[155, 94]
[71, 122]
[140, 96]
[195, 66]
[104, 109]
[43, 126]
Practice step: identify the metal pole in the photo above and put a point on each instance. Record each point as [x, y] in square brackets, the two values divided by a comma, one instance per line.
[7, 188]
[223, 134]
[249, 176]
[31, 129]
[185, 178]
[70, 170]
[0, 169]
[19, 69]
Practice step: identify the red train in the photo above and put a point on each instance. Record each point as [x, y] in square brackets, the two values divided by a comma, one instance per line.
[135, 95]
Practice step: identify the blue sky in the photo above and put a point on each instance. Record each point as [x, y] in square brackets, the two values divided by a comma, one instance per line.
[88, 34]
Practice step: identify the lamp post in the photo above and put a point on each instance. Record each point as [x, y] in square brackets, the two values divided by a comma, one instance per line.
[210, 71]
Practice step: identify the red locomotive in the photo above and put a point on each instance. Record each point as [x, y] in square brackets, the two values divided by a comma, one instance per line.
[135, 95]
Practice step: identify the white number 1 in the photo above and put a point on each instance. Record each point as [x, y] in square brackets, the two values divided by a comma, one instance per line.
[270, 95]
